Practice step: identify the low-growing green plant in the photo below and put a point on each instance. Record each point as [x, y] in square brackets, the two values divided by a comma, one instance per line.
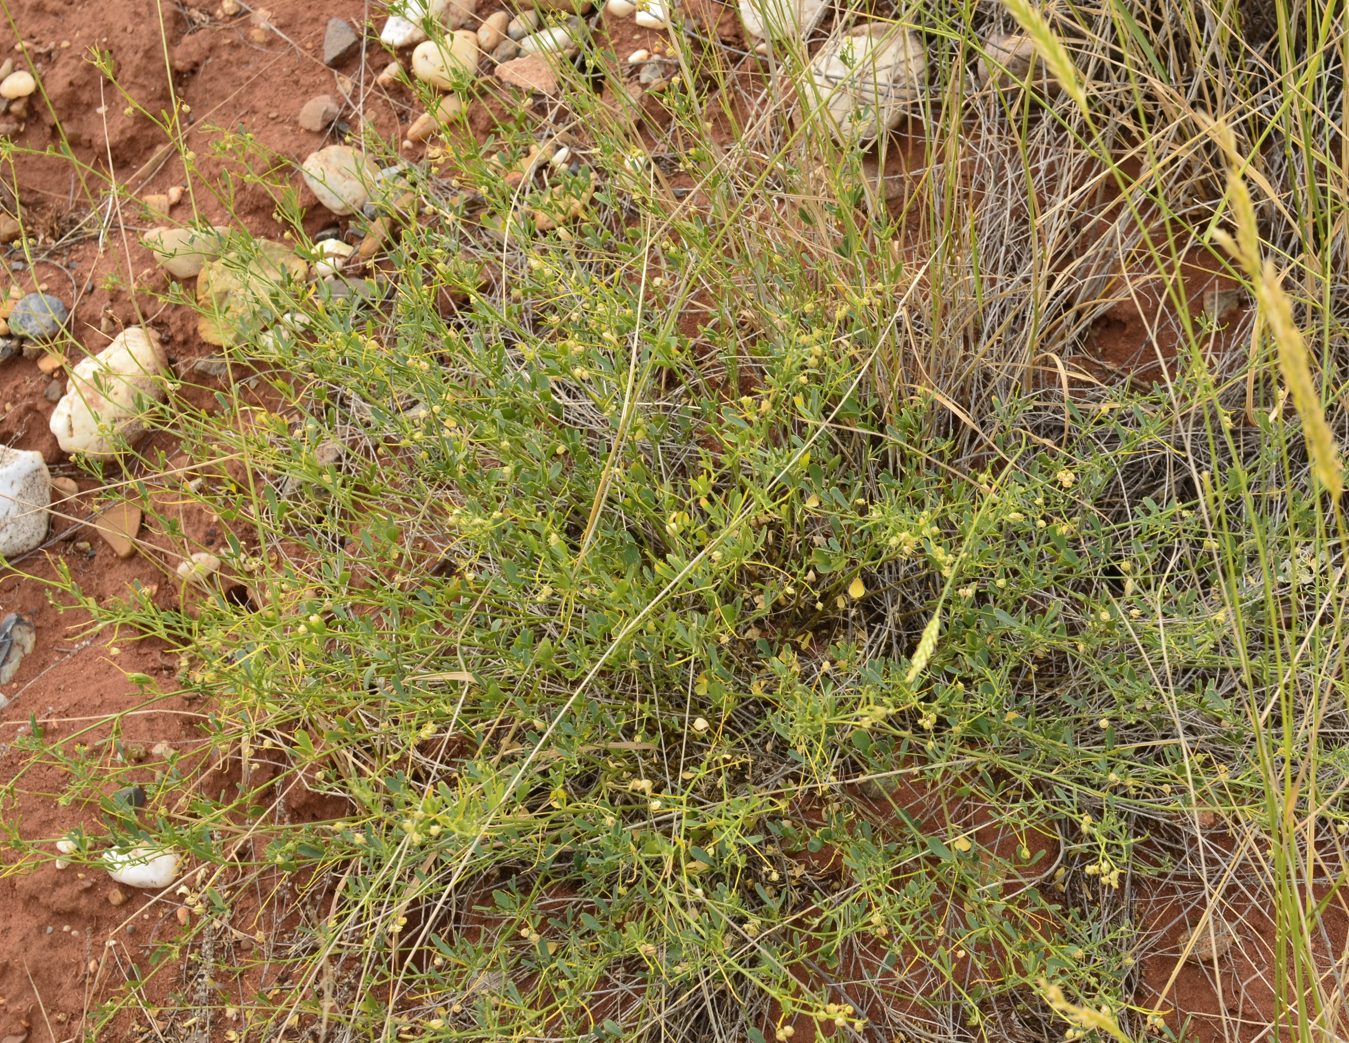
[710, 602]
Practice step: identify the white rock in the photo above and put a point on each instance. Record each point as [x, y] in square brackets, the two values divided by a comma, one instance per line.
[561, 157]
[182, 251]
[18, 85]
[25, 495]
[451, 14]
[400, 32]
[446, 65]
[332, 252]
[340, 177]
[107, 394]
[621, 8]
[653, 14]
[557, 39]
[638, 56]
[199, 568]
[865, 78]
[143, 867]
[67, 847]
[779, 18]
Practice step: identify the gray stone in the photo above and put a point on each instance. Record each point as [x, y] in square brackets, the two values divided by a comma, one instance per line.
[657, 72]
[54, 391]
[523, 24]
[339, 40]
[38, 316]
[18, 636]
[214, 366]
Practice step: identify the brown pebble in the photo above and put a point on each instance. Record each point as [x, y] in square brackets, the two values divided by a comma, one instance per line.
[64, 488]
[493, 31]
[1213, 941]
[116, 896]
[319, 113]
[118, 525]
[381, 227]
[157, 203]
[532, 73]
[50, 363]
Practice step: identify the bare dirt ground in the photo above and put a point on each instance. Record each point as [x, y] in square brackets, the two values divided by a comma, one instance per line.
[234, 71]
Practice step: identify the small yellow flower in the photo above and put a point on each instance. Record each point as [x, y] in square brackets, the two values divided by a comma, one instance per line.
[856, 588]
[1066, 478]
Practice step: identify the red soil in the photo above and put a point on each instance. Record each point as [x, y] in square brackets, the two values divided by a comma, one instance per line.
[65, 943]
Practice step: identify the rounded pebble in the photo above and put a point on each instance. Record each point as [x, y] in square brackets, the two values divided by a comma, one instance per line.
[452, 14]
[106, 398]
[522, 25]
[182, 251]
[332, 253]
[782, 18]
[493, 31]
[653, 15]
[38, 316]
[18, 85]
[1007, 60]
[340, 177]
[198, 569]
[557, 39]
[444, 65]
[319, 113]
[621, 8]
[866, 78]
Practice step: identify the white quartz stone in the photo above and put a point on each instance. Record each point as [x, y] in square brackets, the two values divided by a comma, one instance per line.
[25, 495]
